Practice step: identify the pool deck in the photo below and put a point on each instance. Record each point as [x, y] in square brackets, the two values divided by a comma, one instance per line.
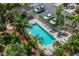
[48, 48]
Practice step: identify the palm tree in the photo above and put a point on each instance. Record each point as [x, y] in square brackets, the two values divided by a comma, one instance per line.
[5, 39]
[72, 47]
[58, 15]
[2, 20]
[57, 44]
[4, 9]
[16, 49]
[58, 50]
[2, 46]
[74, 19]
[20, 24]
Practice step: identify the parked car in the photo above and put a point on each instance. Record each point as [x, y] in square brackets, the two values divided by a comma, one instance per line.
[38, 8]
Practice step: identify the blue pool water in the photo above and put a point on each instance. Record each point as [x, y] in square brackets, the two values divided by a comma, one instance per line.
[37, 30]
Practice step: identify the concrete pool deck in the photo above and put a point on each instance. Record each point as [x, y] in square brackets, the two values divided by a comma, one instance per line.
[48, 48]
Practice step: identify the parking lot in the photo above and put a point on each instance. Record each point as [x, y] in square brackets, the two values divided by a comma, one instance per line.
[49, 9]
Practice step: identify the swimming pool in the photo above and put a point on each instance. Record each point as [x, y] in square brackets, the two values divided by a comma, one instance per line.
[37, 30]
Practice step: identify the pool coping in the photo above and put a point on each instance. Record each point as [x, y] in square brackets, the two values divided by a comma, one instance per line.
[52, 37]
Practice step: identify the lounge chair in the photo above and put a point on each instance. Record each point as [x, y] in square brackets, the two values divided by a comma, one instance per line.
[60, 34]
